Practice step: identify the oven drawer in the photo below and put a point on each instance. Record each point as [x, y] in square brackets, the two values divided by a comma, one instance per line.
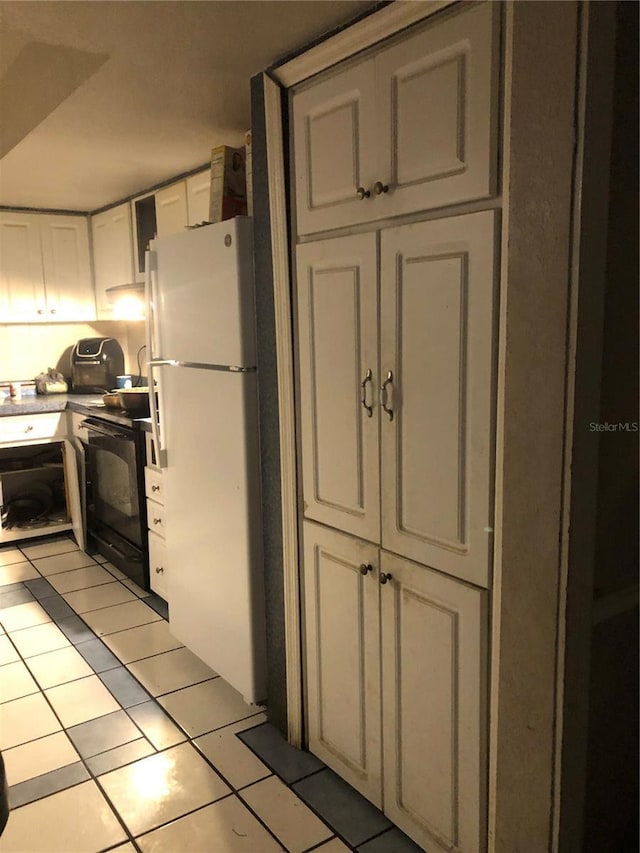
[153, 484]
[155, 517]
[157, 565]
[20, 428]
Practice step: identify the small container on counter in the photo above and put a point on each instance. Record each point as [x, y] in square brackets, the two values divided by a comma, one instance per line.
[15, 390]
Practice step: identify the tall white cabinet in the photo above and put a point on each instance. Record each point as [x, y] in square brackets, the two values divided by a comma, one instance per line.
[396, 353]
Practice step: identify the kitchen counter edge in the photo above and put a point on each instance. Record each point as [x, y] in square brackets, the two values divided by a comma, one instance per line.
[84, 404]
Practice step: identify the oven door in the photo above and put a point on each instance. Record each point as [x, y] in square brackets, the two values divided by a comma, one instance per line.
[113, 482]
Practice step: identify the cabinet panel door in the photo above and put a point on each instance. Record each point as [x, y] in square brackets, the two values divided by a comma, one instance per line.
[67, 268]
[437, 293]
[338, 331]
[22, 297]
[112, 254]
[434, 634]
[437, 97]
[158, 565]
[342, 651]
[334, 142]
[198, 193]
[171, 209]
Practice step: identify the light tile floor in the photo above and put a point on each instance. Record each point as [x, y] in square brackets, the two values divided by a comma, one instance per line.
[116, 737]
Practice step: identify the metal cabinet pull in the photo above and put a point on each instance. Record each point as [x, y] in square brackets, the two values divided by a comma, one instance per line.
[379, 188]
[362, 193]
[155, 488]
[363, 393]
[159, 570]
[365, 567]
[384, 394]
[157, 521]
[384, 577]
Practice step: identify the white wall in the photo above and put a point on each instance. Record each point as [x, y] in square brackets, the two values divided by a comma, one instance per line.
[29, 349]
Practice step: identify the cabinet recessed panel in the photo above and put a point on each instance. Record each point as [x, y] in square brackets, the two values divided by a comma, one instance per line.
[332, 149]
[433, 676]
[437, 297]
[21, 279]
[338, 330]
[342, 628]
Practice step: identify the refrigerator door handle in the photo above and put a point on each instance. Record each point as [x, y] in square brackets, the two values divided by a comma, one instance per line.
[151, 341]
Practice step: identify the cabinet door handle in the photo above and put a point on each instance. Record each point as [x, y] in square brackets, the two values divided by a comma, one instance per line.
[29, 428]
[157, 521]
[155, 488]
[363, 393]
[384, 394]
[385, 576]
[379, 188]
[159, 570]
[40, 310]
[53, 310]
[362, 193]
[365, 567]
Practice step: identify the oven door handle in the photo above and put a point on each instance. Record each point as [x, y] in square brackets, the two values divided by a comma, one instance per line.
[115, 550]
[92, 427]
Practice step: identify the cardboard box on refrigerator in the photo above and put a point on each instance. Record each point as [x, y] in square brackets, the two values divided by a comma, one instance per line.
[228, 197]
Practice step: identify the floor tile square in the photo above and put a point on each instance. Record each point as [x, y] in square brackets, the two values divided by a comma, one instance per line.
[104, 733]
[74, 629]
[81, 700]
[39, 639]
[50, 547]
[10, 555]
[207, 706]
[38, 757]
[40, 588]
[290, 820]
[8, 654]
[47, 784]
[223, 826]
[15, 572]
[97, 655]
[119, 618]
[57, 607]
[343, 808]
[76, 819]
[13, 594]
[123, 686]
[156, 725]
[119, 756]
[15, 681]
[231, 757]
[26, 719]
[58, 667]
[142, 641]
[170, 671]
[115, 571]
[80, 579]
[23, 616]
[162, 787]
[270, 746]
[97, 597]
[57, 563]
[334, 845]
[393, 841]
[135, 589]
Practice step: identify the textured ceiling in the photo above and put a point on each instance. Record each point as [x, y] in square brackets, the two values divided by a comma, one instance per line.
[101, 99]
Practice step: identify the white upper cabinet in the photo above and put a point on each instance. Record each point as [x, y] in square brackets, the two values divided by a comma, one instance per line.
[198, 193]
[45, 268]
[171, 209]
[338, 326]
[411, 129]
[22, 293]
[112, 254]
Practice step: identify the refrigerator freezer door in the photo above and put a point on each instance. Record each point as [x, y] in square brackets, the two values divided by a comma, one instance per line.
[214, 529]
[205, 295]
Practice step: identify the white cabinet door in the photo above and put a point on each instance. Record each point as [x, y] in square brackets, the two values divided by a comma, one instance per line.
[434, 635]
[112, 254]
[198, 193]
[338, 331]
[342, 646]
[171, 209]
[67, 268]
[437, 292]
[334, 149]
[437, 113]
[22, 296]
[158, 571]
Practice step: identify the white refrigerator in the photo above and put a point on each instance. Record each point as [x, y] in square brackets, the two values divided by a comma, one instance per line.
[202, 353]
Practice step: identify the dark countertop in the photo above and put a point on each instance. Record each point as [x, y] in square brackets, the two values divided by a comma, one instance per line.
[84, 404]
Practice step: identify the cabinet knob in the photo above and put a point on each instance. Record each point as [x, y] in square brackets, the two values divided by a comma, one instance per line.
[379, 188]
[159, 570]
[28, 428]
[40, 310]
[384, 577]
[53, 311]
[155, 488]
[362, 193]
[365, 567]
[157, 521]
